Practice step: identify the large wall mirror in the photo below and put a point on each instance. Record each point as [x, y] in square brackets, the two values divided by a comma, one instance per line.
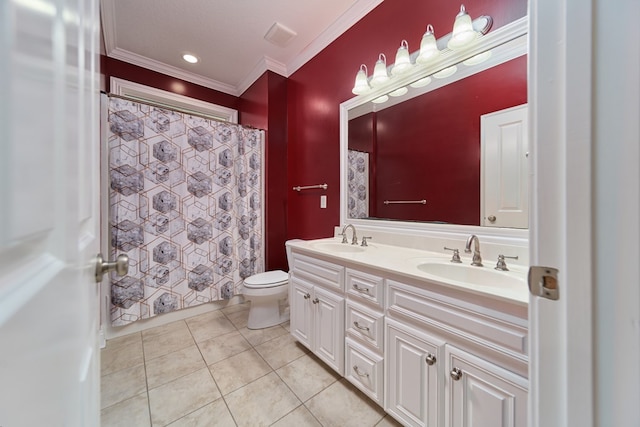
[424, 159]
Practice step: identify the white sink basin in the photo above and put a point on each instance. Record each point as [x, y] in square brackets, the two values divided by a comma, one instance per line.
[482, 276]
[338, 247]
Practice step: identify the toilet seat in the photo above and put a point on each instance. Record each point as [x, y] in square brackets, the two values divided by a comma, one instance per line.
[268, 279]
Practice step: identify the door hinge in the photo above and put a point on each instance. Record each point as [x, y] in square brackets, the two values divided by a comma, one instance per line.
[543, 282]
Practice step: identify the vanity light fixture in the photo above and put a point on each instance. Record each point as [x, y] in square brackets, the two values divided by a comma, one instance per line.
[443, 74]
[380, 74]
[362, 83]
[399, 92]
[403, 61]
[380, 99]
[191, 59]
[463, 31]
[428, 47]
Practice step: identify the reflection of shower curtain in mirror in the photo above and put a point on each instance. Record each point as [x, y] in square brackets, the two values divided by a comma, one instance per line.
[185, 206]
[358, 184]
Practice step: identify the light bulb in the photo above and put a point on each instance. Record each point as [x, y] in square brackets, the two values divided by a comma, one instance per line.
[380, 99]
[399, 92]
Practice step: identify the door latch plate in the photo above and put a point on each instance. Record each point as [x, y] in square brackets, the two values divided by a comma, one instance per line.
[543, 282]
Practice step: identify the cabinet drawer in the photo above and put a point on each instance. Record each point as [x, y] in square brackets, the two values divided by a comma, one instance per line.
[318, 272]
[365, 286]
[476, 323]
[365, 324]
[364, 370]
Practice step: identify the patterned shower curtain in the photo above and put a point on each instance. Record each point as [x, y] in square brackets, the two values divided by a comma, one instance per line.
[358, 184]
[185, 206]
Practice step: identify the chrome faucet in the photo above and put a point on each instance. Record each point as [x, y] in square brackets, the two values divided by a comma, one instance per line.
[354, 240]
[477, 259]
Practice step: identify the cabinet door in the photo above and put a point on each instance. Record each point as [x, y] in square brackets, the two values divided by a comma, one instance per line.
[301, 311]
[414, 388]
[481, 394]
[328, 328]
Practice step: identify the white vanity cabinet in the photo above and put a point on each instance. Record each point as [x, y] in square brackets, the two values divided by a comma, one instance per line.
[364, 324]
[454, 360]
[316, 298]
[429, 353]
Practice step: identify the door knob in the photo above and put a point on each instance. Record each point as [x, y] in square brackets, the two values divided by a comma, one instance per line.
[120, 266]
[492, 218]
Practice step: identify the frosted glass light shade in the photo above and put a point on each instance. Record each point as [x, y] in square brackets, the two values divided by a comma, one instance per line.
[403, 61]
[428, 47]
[380, 74]
[463, 32]
[362, 84]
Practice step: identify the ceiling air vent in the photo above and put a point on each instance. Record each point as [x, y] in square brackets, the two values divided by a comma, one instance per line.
[279, 34]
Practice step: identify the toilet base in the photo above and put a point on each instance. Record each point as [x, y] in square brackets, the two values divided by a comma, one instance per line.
[264, 314]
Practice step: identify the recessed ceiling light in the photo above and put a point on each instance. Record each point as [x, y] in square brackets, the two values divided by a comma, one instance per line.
[192, 59]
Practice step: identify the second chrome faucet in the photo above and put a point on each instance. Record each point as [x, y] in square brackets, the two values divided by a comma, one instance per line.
[477, 259]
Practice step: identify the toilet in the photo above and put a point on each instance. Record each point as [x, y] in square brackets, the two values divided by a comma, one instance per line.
[268, 294]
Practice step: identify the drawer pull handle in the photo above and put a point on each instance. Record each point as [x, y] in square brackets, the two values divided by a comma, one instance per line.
[456, 374]
[357, 371]
[357, 325]
[315, 300]
[307, 296]
[430, 359]
[359, 289]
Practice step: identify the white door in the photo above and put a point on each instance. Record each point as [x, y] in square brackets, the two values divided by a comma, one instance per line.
[301, 311]
[504, 175]
[49, 221]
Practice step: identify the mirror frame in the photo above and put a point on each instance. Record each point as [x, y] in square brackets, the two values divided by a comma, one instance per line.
[515, 30]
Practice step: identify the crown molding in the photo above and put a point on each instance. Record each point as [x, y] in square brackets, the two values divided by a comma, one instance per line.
[265, 64]
[355, 13]
[161, 67]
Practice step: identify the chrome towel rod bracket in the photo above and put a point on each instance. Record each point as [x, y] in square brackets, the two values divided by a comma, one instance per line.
[393, 202]
[309, 187]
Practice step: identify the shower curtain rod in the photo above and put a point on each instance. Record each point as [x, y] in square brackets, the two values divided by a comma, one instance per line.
[174, 108]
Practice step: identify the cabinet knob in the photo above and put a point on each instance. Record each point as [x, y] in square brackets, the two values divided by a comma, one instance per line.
[456, 374]
[315, 300]
[491, 218]
[307, 296]
[430, 359]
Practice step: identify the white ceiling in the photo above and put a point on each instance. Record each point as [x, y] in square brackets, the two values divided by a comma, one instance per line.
[227, 36]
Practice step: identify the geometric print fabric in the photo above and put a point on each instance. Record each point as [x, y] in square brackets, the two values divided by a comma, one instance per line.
[185, 206]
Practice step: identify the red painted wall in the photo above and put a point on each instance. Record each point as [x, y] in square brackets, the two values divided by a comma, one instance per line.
[437, 157]
[317, 89]
[264, 105]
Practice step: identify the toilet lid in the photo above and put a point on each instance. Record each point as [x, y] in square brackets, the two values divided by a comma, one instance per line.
[267, 279]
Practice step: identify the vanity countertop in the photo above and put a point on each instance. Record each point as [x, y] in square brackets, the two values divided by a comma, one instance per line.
[405, 261]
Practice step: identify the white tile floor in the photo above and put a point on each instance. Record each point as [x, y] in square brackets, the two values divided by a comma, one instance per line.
[210, 370]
